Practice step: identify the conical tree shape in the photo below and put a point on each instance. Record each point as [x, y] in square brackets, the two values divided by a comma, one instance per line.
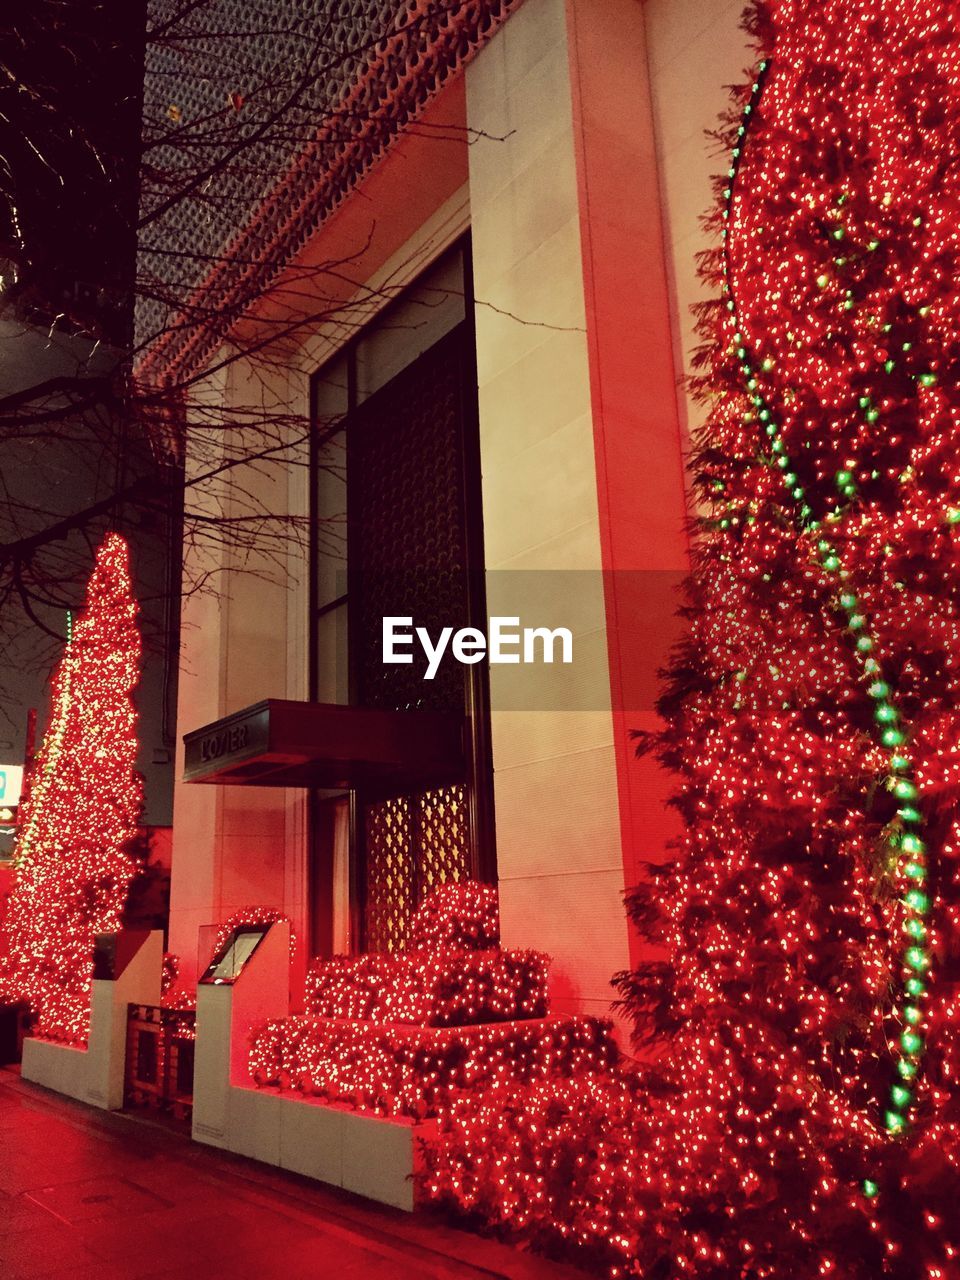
[805, 1109]
[81, 811]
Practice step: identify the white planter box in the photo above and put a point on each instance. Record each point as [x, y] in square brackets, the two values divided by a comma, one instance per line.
[95, 1075]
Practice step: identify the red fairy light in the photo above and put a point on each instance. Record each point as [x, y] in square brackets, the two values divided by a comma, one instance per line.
[811, 912]
[401, 1034]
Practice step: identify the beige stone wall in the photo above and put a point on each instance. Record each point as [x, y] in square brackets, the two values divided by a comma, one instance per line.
[560, 841]
[243, 639]
[558, 846]
[695, 50]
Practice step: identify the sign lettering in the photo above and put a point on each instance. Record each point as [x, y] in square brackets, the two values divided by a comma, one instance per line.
[223, 743]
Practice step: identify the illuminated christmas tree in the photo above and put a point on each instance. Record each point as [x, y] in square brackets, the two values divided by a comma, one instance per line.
[83, 803]
[805, 1109]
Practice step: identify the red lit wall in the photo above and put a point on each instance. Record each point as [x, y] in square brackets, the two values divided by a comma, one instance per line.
[638, 446]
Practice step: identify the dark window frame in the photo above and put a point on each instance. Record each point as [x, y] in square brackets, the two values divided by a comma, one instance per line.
[479, 780]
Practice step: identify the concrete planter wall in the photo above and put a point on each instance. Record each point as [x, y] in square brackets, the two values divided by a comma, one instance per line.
[364, 1154]
[95, 1075]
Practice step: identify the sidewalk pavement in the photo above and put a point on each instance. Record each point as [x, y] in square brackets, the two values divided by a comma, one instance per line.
[89, 1195]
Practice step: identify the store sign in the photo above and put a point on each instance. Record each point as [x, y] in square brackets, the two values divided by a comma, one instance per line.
[282, 743]
[223, 742]
[226, 742]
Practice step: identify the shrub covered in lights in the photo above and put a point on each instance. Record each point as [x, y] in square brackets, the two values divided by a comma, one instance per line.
[403, 1034]
[83, 802]
[394, 1070]
[465, 917]
[452, 973]
[558, 1160]
[431, 989]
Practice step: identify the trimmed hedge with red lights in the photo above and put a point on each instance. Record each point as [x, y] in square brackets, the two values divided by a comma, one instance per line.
[402, 1035]
[554, 1161]
[431, 989]
[417, 1071]
[460, 917]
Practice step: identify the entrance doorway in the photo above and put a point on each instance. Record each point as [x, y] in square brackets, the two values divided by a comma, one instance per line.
[397, 462]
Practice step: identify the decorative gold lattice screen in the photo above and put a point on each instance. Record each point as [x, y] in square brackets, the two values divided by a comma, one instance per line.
[413, 844]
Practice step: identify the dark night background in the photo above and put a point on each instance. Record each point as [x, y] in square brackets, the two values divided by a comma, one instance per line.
[70, 119]
[69, 137]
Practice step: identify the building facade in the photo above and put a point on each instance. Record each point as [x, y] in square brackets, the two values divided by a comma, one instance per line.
[480, 301]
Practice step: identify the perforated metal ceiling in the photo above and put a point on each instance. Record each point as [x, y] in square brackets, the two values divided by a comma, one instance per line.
[234, 93]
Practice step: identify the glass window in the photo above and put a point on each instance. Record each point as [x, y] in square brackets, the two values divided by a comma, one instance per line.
[396, 429]
[404, 330]
[411, 325]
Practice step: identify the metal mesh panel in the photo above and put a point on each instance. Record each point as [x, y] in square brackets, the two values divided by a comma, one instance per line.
[444, 839]
[413, 844]
[265, 54]
[332, 81]
[390, 865]
[407, 517]
[407, 550]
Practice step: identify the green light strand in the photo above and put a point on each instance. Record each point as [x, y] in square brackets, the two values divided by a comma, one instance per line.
[906, 847]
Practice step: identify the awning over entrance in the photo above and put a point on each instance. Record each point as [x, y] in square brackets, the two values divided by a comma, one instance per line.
[278, 743]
